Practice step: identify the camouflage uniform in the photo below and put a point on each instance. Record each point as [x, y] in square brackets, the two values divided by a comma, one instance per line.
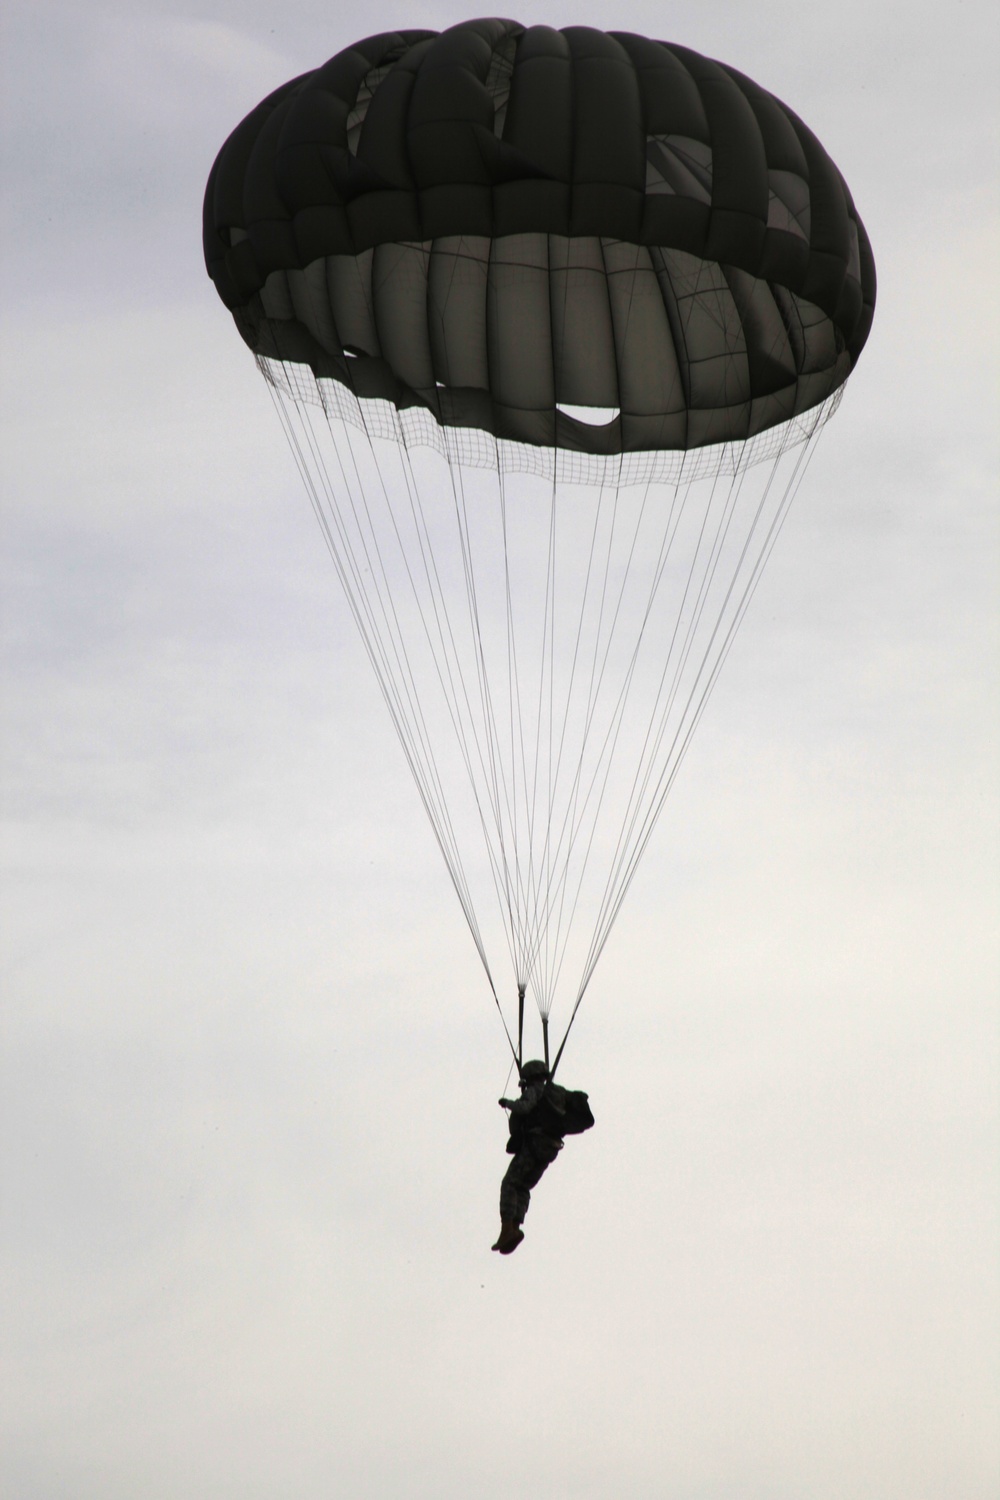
[533, 1147]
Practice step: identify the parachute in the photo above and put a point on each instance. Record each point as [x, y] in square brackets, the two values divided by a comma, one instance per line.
[552, 321]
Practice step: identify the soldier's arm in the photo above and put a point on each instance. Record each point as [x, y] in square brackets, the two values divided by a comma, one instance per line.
[528, 1099]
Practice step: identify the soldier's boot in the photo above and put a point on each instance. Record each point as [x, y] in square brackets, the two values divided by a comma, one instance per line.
[511, 1235]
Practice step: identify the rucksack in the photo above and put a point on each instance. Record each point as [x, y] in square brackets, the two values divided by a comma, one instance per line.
[569, 1109]
[579, 1116]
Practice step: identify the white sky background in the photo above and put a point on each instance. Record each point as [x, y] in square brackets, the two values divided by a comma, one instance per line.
[250, 1063]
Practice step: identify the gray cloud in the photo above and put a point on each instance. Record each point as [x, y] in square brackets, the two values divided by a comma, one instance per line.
[251, 1148]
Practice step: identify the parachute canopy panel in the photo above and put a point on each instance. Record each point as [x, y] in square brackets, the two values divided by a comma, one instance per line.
[500, 224]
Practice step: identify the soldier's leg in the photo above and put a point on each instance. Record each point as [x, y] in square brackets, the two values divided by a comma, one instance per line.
[515, 1188]
[541, 1151]
[524, 1173]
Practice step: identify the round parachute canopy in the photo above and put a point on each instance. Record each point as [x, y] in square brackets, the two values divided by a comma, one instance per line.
[508, 225]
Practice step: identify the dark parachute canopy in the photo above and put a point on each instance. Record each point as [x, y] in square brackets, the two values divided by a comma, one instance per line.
[612, 290]
[499, 221]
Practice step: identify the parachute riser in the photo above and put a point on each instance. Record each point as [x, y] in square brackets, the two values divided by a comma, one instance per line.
[520, 1032]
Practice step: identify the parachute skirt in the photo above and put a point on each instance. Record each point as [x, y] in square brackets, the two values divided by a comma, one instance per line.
[418, 427]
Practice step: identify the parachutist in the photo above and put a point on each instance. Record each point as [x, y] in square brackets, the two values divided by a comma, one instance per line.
[539, 1120]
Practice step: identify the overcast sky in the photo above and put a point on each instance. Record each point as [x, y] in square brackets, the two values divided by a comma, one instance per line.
[250, 1140]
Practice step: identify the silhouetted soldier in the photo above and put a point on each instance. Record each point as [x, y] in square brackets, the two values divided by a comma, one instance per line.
[541, 1117]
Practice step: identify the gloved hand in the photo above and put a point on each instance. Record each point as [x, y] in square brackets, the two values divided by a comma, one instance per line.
[506, 1103]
